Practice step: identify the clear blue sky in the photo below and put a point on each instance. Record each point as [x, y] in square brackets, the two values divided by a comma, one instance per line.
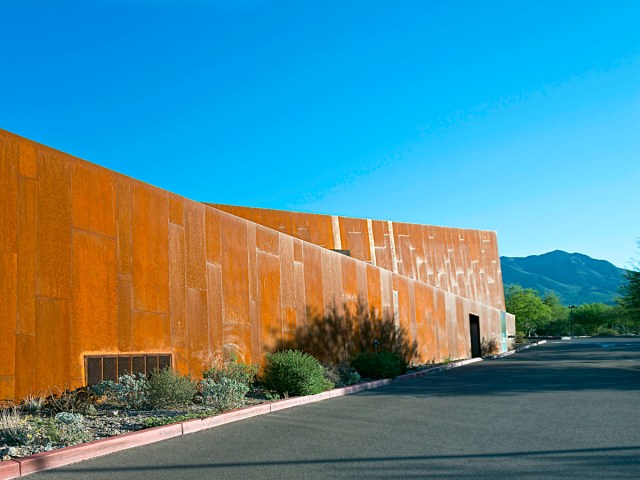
[516, 116]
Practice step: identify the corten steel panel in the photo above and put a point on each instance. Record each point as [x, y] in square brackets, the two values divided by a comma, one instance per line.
[28, 159]
[177, 286]
[93, 198]
[150, 249]
[214, 305]
[349, 278]
[52, 344]
[8, 312]
[7, 387]
[212, 221]
[440, 315]
[195, 243]
[287, 277]
[237, 338]
[404, 304]
[151, 332]
[25, 365]
[8, 194]
[424, 330]
[313, 278]
[125, 313]
[462, 329]
[301, 303]
[267, 240]
[197, 330]
[252, 251]
[124, 228]
[176, 209]
[453, 317]
[53, 267]
[26, 322]
[355, 237]
[297, 250]
[269, 305]
[320, 230]
[374, 288]
[94, 307]
[363, 287]
[235, 270]
[433, 255]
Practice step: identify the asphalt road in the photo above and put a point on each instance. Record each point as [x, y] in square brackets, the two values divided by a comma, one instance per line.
[567, 409]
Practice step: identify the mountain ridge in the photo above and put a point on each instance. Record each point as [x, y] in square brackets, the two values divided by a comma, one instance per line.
[575, 278]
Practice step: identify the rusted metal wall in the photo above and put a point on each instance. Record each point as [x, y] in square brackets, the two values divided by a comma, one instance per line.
[93, 263]
[461, 261]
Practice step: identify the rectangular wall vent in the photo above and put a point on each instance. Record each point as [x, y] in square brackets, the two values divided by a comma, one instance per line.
[110, 367]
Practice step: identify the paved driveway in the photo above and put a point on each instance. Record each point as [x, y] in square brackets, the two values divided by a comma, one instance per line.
[568, 409]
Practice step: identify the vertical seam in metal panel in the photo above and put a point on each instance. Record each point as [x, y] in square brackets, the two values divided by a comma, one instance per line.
[335, 229]
[394, 259]
[372, 247]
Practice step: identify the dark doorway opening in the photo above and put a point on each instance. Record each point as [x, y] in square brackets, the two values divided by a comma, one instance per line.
[474, 330]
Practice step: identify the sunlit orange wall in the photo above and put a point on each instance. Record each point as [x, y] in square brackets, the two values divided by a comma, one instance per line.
[94, 262]
[461, 261]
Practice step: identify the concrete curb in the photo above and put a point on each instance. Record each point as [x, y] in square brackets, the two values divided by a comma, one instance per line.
[64, 456]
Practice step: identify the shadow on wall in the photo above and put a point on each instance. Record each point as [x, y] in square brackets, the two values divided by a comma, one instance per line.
[489, 347]
[341, 333]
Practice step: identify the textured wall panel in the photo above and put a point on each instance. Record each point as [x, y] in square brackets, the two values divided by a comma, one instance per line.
[214, 304]
[150, 249]
[125, 314]
[25, 365]
[195, 243]
[151, 332]
[26, 261]
[9, 194]
[270, 316]
[177, 287]
[197, 330]
[235, 271]
[52, 344]
[93, 198]
[54, 226]
[94, 307]
[124, 227]
[8, 312]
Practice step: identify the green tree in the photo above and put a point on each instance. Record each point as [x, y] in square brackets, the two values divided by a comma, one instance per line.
[559, 322]
[630, 299]
[592, 316]
[530, 310]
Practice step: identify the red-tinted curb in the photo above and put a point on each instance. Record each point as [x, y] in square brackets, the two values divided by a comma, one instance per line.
[9, 469]
[96, 448]
[65, 456]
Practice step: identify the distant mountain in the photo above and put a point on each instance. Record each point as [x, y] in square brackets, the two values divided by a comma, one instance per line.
[575, 278]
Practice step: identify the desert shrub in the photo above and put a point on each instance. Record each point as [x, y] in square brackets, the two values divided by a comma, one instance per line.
[342, 374]
[167, 388]
[225, 394]
[14, 429]
[64, 428]
[131, 391]
[381, 365]
[68, 400]
[292, 372]
[33, 403]
[233, 369]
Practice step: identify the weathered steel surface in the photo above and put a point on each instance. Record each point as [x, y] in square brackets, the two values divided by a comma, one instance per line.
[93, 263]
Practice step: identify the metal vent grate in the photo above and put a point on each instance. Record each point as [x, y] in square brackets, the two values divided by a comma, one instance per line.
[110, 367]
